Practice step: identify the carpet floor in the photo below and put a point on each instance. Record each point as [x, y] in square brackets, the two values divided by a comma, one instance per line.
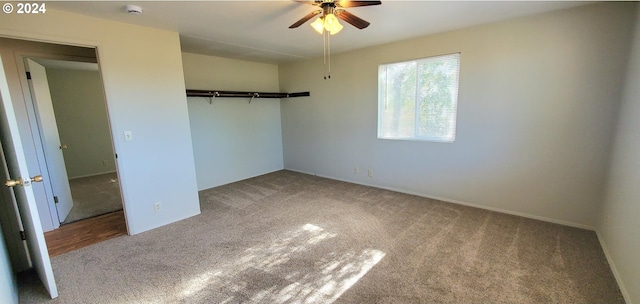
[93, 196]
[287, 237]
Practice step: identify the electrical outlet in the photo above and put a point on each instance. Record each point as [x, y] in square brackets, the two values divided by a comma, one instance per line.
[105, 163]
[370, 173]
[156, 207]
[356, 170]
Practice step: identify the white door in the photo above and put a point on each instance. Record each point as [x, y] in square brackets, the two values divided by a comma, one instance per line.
[53, 149]
[10, 221]
[17, 165]
[8, 285]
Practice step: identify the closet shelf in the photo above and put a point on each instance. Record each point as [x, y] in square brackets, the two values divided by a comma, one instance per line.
[218, 93]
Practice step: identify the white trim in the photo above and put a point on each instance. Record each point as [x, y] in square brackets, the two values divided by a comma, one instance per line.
[93, 174]
[47, 38]
[531, 216]
[307, 173]
[614, 269]
[244, 178]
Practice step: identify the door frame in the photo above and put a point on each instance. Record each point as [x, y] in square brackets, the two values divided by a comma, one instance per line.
[61, 40]
[32, 112]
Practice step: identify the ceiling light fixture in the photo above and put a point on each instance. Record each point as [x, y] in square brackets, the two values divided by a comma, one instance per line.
[331, 24]
[327, 23]
[318, 25]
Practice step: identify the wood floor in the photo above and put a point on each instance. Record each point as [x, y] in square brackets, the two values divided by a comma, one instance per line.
[85, 232]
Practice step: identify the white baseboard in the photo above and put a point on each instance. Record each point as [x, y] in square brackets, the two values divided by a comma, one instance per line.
[303, 172]
[614, 269]
[612, 265]
[505, 211]
[92, 174]
[243, 178]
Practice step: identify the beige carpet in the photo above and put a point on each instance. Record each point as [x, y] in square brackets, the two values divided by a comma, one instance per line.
[93, 196]
[291, 238]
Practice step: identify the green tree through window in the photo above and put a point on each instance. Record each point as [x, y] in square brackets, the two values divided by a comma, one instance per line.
[418, 99]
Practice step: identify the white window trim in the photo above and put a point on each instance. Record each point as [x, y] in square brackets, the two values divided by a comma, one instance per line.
[382, 89]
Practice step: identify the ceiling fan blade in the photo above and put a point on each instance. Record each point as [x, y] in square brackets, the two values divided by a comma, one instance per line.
[347, 3]
[305, 19]
[353, 19]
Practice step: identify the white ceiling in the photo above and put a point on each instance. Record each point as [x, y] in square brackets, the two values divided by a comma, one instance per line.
[258, 30]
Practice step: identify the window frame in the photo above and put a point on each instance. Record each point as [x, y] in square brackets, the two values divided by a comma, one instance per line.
[383, 102]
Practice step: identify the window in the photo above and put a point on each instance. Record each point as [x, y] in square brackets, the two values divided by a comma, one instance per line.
[417, 100]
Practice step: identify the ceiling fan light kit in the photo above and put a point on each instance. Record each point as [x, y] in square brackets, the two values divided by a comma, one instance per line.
[318, 25]
[327, 23]
[331, 24]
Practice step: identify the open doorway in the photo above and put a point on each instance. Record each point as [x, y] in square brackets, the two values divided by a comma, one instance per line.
[71, 122]
[78, 111]
[21, 137]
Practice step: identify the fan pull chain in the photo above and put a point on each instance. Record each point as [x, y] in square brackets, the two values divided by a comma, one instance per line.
[326, 47]
[329, 54]
[324, 52]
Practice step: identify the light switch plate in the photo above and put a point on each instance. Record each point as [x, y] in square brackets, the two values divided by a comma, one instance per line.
[128, 135]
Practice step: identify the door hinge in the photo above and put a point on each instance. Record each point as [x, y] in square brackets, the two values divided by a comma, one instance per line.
[55, 199]
[23, 236]
[28, 75]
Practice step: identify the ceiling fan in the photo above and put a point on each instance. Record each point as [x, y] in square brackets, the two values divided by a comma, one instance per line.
[329, 10]
[327, 23]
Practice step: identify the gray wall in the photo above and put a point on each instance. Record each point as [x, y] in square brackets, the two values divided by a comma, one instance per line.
[619, 227]
[82, 119]
[537, 106]
[232, 139]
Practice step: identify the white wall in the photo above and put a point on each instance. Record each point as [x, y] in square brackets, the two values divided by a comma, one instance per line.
[537, 103]
[83, 122]
[619, 227]
[232, 139]
[144, 88]
[8, 286]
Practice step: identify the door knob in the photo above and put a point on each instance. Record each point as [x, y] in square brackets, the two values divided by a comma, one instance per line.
[14, 182]
[21, 182]
[63, 147]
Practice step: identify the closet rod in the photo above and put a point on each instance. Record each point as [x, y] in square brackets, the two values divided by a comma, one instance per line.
[216, 93]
